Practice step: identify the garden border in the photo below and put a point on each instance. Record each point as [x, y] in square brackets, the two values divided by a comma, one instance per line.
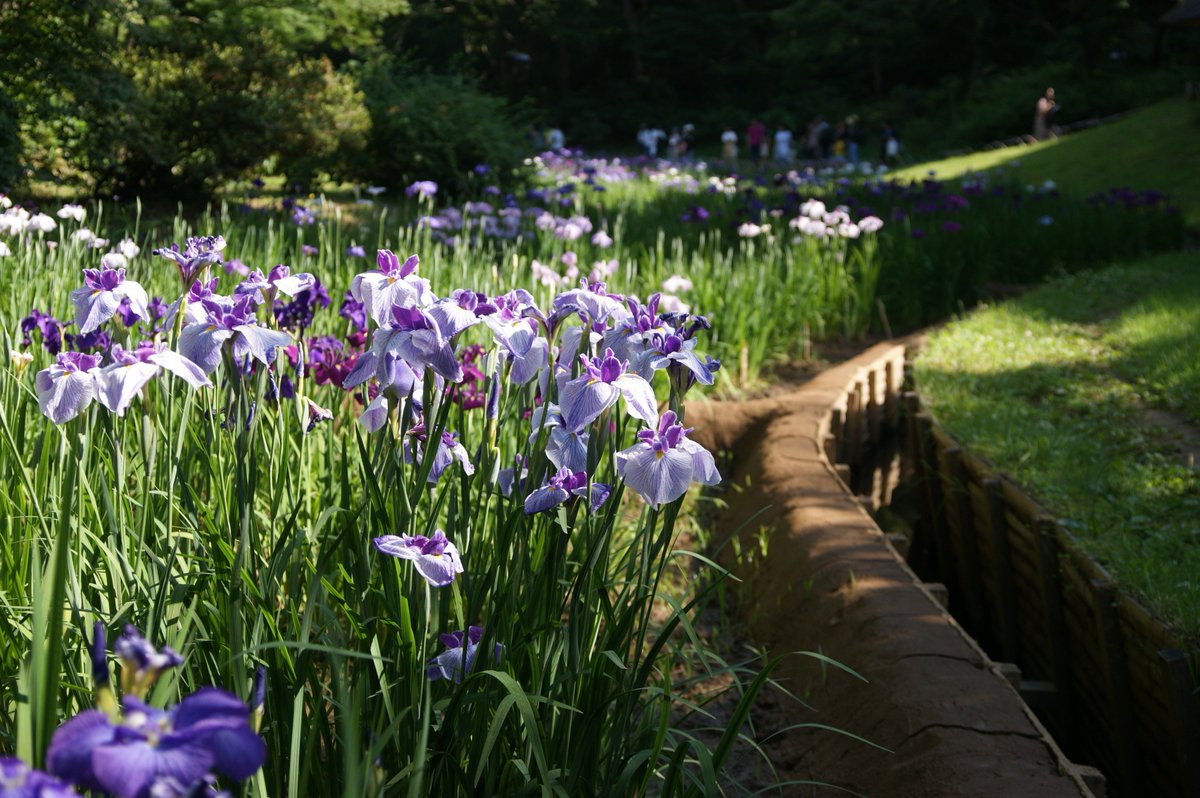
[1114, 682]
[827, 580]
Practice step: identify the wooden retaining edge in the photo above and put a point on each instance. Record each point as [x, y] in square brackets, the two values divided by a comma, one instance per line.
[827, 580]
[1121, 690]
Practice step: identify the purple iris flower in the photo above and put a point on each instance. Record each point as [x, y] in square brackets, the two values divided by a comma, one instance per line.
[141, 662]
[94, 341]
[308, 249]
[565, 486]
[591, 301]
[676, 354]
[375, 414]
[198, 253]
[515, 329]
[68, 386]
[105, 289]
[459, 656]
[436, 558]
[414, 340]
[664, 463]
[18, 780]
[422, 189]
[630, 333]
[298, 314]
[448, 450]
[565, 447]
[356, 251]
[201, 342]
[48, 327]
[151, 749]
[353, 311]
[130, 370]
[393, 283]
[604, 380]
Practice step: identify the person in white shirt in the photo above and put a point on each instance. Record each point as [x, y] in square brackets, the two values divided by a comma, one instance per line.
[783, 145]
[729, 150]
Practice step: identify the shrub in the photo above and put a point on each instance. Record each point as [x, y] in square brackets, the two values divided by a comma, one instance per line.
[434, 127]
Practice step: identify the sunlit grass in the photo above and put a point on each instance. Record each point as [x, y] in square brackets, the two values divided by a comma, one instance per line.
[1053, 388]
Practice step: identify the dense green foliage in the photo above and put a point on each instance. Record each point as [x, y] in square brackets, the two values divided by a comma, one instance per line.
[1058, 390]
[117, 95]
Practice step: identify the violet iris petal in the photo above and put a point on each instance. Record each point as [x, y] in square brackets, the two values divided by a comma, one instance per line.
[562, 487]
[392, 284]
[18, 780]
[436, 558]
[201, 343]
[566, 448]
[130, 370]
[104, 291]
[459, 656]
[604, 380]
[68, 386]
[69, 755]
[664, 463]
[375, 415]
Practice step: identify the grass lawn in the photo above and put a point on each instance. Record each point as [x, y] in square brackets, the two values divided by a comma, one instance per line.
[1087, 392]
[1153, 148]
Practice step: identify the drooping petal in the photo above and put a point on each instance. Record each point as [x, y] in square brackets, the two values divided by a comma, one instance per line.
[545, 498]
[118, 384]
[201, 344]
[295, 283]
[258, 342]
[93, 308]
[69, 755]
[639, 398]
[138, 301]
[237, 752]
[181, 367]
[375, 415]
[208, 707]
[658, 477]
[583, 400]
[567, 449]
[528, 365]
[439, 570]
[704, 468]
[125, 770]
[63, 397]
[395, 546]
[364, 369]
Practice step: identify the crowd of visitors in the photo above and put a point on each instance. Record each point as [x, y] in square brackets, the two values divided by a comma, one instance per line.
[821, 142]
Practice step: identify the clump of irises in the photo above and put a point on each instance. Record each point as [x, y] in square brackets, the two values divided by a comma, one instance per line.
[128, 748]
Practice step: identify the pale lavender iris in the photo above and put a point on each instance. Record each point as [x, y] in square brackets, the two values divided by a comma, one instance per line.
[18, 780]
[591, 301]
[435, 558]
[565, 447]
[198, 253]
[604, 380]
[375, 414]
[415, 339]
[677, 356]
[663, 464]
[459, 656]
[564, 486]
[515, 329]
[629, 334]
[393, 283]
[422, 189]
[208, 731]
[101, 295]
[201, 342]
[280, 280]
[130, 370]
[68, 386]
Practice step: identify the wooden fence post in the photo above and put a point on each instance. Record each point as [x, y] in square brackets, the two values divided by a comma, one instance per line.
[1010, 633]
[1045, 530]
[1120, 702]
[874, 409]
[935, 504]
[1185, 716]
[971, 580]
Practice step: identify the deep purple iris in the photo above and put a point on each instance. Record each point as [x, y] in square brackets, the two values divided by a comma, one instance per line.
[18, 780]
[49, 330]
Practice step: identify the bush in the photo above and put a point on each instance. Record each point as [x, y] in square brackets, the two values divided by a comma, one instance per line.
[434, 127]
[10, 143]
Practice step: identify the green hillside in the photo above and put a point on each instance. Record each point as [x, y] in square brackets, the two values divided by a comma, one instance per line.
[1154, 148]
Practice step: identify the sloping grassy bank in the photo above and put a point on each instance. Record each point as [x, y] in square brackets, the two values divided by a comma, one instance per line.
[1153, 148]
[1087, 392]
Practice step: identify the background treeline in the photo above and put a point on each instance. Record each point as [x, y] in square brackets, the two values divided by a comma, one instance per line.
[182, 95]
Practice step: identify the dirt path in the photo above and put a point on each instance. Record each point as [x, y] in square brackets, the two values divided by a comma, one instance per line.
[818, 575]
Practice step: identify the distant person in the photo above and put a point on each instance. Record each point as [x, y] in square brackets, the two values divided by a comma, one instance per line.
[649, 138]
[729, 150]
[783, 145]
[555, 139]
[756, 136]
[810, 140]
[643, 139]
[533, 135]
[824, 138]
[689, 138]
[891, 144]
[1043, 116]
[838, 151]
[673, 143]
[854, 138]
